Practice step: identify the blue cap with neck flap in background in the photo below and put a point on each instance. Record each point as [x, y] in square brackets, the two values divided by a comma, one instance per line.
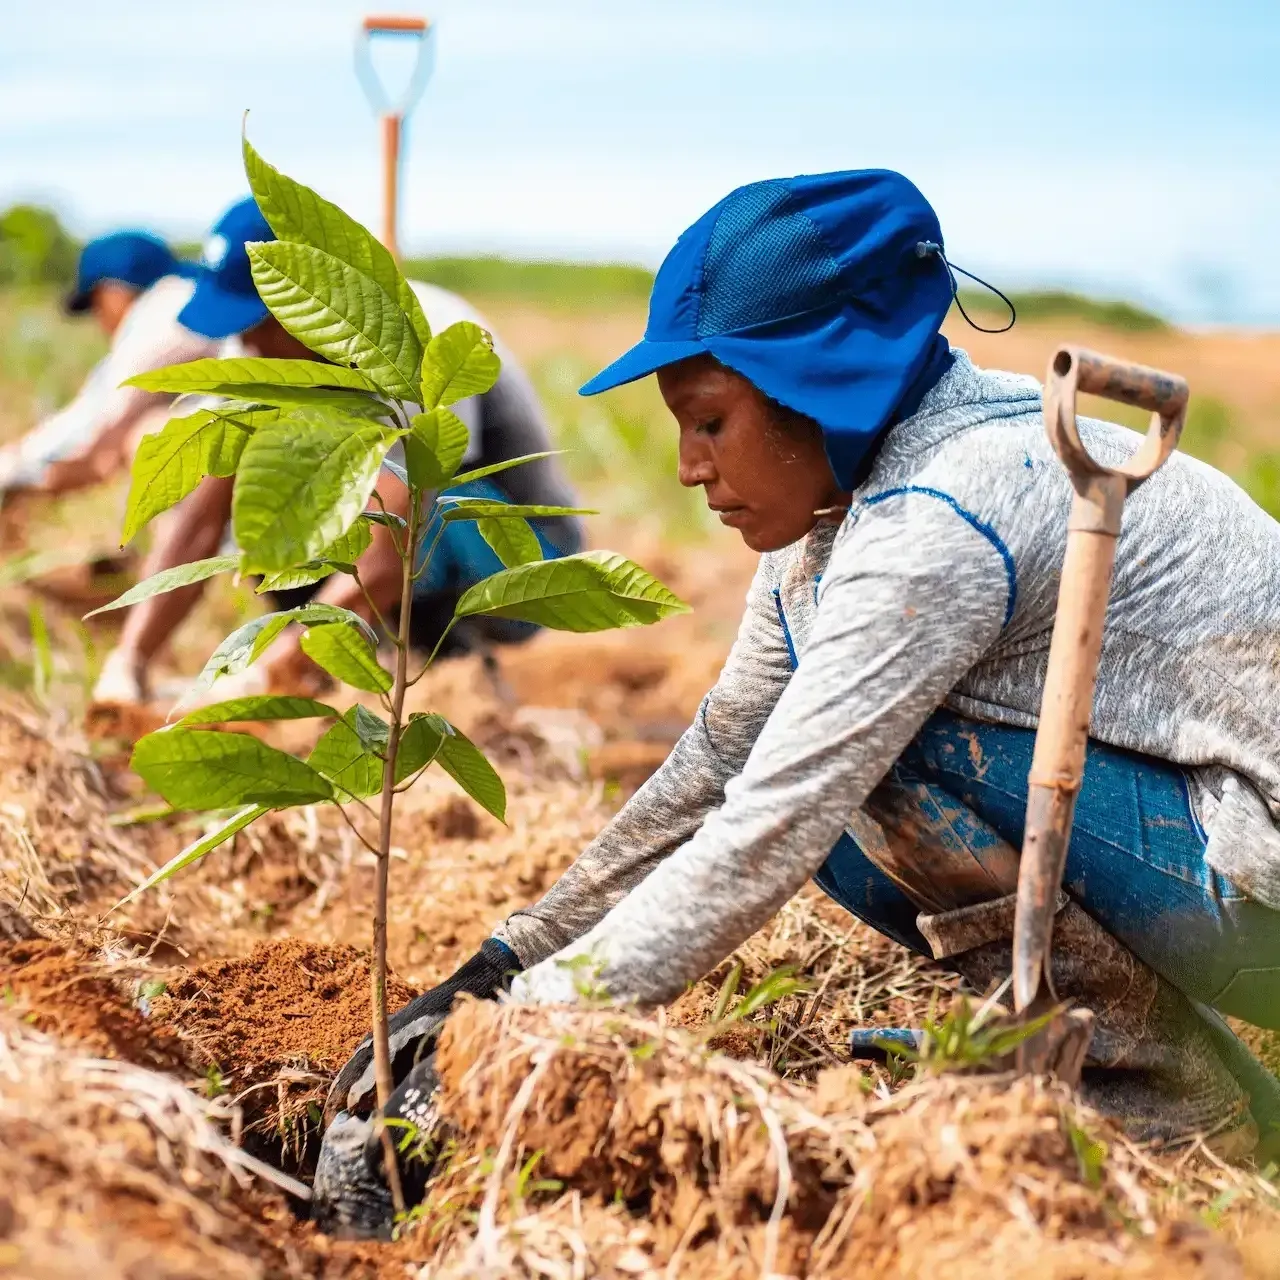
[827, 292]
[225, 301]
[134, 258]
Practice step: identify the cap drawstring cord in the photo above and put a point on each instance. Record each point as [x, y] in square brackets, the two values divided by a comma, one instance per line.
[927, 248]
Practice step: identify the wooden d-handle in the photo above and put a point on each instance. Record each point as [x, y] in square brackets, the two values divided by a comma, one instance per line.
[395, 22]
[1075, 369]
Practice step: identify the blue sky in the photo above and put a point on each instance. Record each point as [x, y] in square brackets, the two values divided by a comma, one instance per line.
[1120, 146]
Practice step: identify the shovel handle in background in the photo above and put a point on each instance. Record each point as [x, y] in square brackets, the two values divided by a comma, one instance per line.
[393, 111]
[1057, 766]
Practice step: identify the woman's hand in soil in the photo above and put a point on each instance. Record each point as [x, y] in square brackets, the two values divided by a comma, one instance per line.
[415, 1027]
[349, 1194]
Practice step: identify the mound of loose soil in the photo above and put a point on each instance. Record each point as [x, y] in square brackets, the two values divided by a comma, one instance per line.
[62, 991]
[288, 1005]
[724, 1170]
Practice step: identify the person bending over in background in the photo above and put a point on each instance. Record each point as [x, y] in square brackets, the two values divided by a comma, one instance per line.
[506, 422]
[873, 725]
[134, 287]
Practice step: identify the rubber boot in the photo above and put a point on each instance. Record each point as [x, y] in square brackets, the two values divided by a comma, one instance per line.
[1154, 1063]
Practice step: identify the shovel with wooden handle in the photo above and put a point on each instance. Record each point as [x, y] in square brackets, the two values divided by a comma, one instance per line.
[393, 111]
[1057, 766]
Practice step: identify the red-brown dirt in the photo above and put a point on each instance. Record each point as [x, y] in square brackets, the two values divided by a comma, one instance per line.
[289, 1003]
[63, 992]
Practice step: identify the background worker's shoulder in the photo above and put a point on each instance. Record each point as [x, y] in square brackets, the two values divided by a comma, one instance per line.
[156, 309]
[444, 308]
[151, 335]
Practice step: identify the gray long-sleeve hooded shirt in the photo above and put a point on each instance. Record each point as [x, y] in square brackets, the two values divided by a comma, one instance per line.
[938, 588]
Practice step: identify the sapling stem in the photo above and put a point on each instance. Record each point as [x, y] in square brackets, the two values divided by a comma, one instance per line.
[373, 608]
[381, 1035]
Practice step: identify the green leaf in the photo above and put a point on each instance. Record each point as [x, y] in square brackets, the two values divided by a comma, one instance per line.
[420, 741]
[305, 575]
[490, 509]
[465, 763]
[342, 554]
[370, 728]
[435, 447]
[301, 484]
[492, 470]
[512, 541]
[41, 653]
[459, 362]
[352, 404]
[181, 575]
[343, 758]
[396, 470]
[298, 214]
[590, 591]
[170, 463]
[267, 706]
[197, 849]
[206, 769]
[350, 546]
[343, 652]
[388, 518]
[246, 644]
[339, 312]
[230, 375]
[352, 754]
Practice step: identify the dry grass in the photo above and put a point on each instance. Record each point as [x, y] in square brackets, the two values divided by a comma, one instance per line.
[56, 844]
[655, 1156]
[111, 1170]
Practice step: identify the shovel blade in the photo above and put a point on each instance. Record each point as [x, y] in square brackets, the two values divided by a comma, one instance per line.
[1058, 1048]
[1044, 854]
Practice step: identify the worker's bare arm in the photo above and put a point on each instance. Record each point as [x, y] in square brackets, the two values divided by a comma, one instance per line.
[191, 531]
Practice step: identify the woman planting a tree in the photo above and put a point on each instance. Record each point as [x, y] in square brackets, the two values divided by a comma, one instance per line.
[880, 699]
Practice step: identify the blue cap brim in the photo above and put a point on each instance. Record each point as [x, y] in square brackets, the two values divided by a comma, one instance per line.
[218, 313]
[643, 359]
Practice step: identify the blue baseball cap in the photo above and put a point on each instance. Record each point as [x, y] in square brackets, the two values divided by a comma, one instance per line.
[225, 301]
[827, 292]
[135, 258]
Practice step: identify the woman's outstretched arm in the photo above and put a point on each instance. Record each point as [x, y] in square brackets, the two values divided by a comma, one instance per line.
[675, 801]
[912, 598]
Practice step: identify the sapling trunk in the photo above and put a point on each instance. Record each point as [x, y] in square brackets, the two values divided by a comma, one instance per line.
[383, 1077]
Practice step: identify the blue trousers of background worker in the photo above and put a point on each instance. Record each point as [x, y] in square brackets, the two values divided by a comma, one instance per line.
[462, 558]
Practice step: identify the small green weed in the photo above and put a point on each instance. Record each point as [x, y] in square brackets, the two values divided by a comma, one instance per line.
[776, 985]
[1091, 1154]
[968, 1039]
[214, 1082]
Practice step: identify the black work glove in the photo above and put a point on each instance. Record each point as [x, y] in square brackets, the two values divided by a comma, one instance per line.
[415, 1027]
[349, 1194]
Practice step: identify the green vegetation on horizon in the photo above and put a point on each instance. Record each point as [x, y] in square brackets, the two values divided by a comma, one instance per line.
[35, 248]
[1059, 304]
[577, 283]
[543, 281]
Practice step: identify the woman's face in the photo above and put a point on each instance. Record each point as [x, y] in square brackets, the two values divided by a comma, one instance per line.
[768, 478]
